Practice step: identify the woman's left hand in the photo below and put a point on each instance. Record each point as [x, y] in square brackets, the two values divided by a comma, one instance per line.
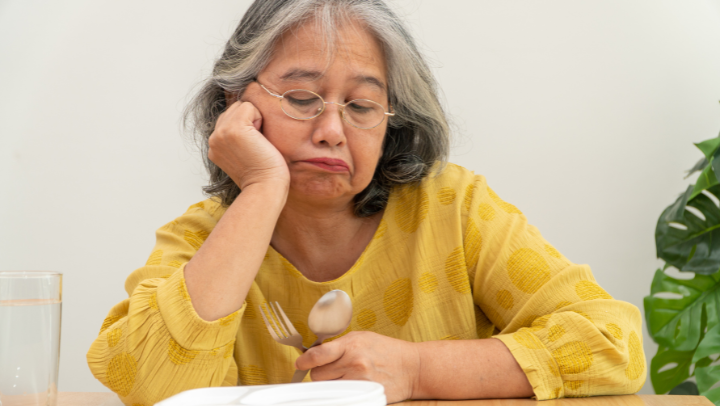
[363, 355]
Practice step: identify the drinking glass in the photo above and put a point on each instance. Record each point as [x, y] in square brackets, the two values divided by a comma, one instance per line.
[30, 311]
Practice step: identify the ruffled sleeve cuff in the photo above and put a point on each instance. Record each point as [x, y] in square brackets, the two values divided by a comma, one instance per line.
[536, 361]
[185, 326]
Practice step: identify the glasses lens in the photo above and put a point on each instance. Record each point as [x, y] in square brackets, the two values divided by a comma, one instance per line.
[301, 104]
[364, 113]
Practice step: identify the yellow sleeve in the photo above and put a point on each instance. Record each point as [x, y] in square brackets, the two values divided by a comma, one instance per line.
[153, 344]
[571, 338]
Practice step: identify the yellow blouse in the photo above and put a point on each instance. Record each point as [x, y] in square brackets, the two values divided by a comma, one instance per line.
[449, 261]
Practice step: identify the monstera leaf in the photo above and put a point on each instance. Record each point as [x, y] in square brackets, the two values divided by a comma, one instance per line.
[669, 368]
[707, 373]
[687, 241]
[680, 323]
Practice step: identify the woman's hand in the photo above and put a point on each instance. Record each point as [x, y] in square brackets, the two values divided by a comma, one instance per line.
[364, 355]
[239, 149]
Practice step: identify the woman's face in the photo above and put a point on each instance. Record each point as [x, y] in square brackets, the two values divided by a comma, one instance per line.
[356, 71]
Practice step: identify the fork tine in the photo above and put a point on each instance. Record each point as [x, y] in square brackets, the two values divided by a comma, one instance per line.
[270, 327]
[283, 329]
[288, 323]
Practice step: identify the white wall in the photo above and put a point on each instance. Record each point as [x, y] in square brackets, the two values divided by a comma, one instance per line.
[580, 113]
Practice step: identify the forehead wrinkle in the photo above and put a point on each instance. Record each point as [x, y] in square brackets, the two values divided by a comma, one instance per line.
[370, 80]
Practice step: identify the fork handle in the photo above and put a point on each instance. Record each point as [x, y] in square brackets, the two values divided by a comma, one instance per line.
[299, 375]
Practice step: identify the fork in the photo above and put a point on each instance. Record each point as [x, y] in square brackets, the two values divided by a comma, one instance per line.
[288, 335]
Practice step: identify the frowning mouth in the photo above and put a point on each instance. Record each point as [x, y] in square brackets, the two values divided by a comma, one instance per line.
[329, 164]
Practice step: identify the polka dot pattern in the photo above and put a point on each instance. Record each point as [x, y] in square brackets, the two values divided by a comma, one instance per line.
[506, 207]
[366, 319]
[252, 375]
[446, 195]
[227, 320]
[113, 337]
[229, 348]
[398, 301]
[411, 208]
[556, 393]
[175, 264]
[467, 200]
[587, 316]
[109, 321]
[486, 212]
[179, 355]
[574, 357]
[381, 230]
[590, 291]
[152, 301]
[195, 239]
[428, 282]
[636, 366]
[528, 339]
[562, 304]
[155, 258]
[615, 330]
[540, 323]
[121, 373]
[556, 333]
[473, 244]
[552, 251]
[505, 299]
[455, 271]
[573, 385]
[528, 270]
[553, 369]
[200, 206]
[528, 320]
[250, 310]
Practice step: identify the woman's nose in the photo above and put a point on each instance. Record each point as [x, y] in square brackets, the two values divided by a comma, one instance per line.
[329, 128]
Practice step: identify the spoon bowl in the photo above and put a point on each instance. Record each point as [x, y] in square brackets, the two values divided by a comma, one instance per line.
[330, 316]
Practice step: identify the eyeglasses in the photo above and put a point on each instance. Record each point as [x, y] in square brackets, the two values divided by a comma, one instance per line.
[303, 104]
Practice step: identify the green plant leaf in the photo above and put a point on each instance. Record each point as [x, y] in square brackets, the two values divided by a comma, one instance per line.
[707, 377]
[670, 378]
[710, 344]
[708, 147]
[680, 323]
[696, 249]
[707, 374]
[706, 180]
[685, 388]
[699, 166]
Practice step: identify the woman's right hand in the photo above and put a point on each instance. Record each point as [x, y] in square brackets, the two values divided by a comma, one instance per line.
[238, 148]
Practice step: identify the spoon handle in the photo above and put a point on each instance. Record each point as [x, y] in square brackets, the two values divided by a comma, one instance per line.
[299, 375]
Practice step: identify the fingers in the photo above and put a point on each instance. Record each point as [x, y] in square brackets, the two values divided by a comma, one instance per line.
[321, 355]
[243, 113]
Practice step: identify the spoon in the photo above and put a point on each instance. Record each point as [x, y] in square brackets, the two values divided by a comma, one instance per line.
[329, 317]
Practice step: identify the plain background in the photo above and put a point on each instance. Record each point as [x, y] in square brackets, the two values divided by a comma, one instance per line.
[581, 113]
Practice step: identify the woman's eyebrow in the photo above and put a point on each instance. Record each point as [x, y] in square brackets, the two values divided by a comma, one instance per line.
[304, 75]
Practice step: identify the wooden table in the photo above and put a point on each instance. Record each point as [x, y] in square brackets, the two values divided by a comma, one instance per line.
[110, 399]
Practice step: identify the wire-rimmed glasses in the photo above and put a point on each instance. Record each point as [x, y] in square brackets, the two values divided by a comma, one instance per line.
[302, 104]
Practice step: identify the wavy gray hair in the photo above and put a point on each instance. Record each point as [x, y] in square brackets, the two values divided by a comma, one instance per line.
[417, 136]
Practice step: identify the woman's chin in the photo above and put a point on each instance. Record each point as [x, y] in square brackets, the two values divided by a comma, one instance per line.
[326, 191]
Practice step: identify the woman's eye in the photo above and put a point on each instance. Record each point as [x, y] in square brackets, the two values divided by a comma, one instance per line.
[359, 108]
[302, 101]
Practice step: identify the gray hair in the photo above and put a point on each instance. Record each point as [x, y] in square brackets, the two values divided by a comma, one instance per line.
[417, 136]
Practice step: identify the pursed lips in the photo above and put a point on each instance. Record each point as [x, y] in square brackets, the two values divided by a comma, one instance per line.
[330, 164]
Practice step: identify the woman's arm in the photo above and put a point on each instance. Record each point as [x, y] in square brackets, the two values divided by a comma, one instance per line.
[219, 276]
[468, 369]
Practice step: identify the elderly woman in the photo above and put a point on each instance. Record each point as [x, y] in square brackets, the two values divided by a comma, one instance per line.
[325, 143]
